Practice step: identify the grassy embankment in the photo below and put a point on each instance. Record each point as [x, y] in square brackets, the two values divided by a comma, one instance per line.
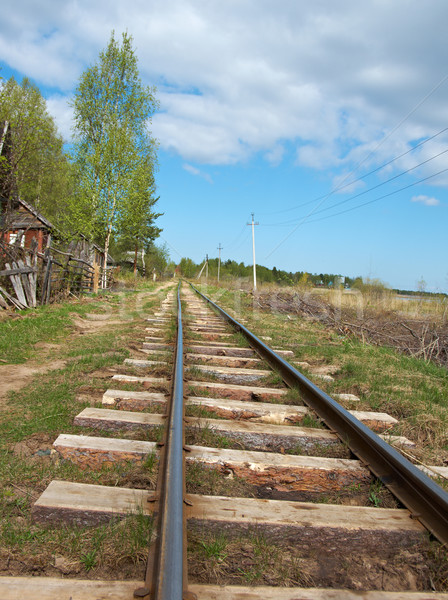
[91, 337]
[412, 390]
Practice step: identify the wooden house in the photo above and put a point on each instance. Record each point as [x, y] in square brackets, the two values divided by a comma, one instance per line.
[86, 250]
[21, 223]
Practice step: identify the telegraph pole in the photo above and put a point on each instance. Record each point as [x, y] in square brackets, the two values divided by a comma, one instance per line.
[253, 249]
[206, 268]
[200, 272]
[219, 259]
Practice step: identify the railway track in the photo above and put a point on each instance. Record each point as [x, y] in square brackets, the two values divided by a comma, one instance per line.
[262, 486]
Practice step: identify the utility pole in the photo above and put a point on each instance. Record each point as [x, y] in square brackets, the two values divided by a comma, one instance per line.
[206, 268]
[202, 268]
[219, 259]
[253, 249]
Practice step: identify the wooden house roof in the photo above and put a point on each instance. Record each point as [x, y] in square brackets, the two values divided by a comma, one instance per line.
[25, 216]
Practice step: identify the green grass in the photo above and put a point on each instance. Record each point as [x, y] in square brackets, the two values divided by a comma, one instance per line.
[242, 558]
[204, 435]
[309, 420]
[48, 403]
[32, 417]
[117, 543]
[215, 547]
[89, 559]
[215, 481]
[51, 323]
[19, 335]
[410, 389]
[200, 412]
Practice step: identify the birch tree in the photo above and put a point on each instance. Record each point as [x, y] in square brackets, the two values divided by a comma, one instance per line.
[33, 165]
[112, 110]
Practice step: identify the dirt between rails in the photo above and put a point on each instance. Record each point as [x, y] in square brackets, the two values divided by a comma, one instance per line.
[422, 337]
[329, 558]
[49, 564]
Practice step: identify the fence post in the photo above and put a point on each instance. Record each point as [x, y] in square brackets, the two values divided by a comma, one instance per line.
[47, 279]
[96, 277]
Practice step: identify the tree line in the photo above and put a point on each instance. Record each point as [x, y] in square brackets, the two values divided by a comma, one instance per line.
[231, 269]
[103, 186]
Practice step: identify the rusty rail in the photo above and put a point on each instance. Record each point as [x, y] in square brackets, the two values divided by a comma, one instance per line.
[426, 500]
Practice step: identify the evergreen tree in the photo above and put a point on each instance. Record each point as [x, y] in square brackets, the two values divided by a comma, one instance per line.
[135, 223]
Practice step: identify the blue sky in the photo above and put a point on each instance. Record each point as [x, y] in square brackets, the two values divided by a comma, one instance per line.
[268, 107]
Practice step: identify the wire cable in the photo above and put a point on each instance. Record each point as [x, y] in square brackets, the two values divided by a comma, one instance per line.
[172, 247]
[436, 87]
[235, 240]
[354, 207]
[380, 197]
[342, 187]
[364, 191]
[243, 241]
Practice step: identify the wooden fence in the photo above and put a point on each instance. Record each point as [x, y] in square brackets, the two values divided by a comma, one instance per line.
[29, 278]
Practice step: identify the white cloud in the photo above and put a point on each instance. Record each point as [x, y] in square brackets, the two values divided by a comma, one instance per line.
[426, 200]
[238, 78]
[191, 169]
[60, 110]
[275, 155]
[346, 183]
[197, 172]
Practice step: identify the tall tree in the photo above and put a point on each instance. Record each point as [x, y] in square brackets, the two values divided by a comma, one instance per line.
[112, 110]
[136, 218]
[157, 259]
[33, 164]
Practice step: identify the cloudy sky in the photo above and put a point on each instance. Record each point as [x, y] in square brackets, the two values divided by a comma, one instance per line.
[326, 119]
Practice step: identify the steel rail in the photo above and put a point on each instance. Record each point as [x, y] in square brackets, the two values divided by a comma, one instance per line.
[426, 500]
[166, 577]
[170, 579]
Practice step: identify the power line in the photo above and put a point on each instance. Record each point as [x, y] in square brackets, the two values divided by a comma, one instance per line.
[342, 187]
[380, 184]
[362, 162]
[243, 241]
[386, 137]
[364, 191]
[172, 247]
[381, 197]
[236, 239]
